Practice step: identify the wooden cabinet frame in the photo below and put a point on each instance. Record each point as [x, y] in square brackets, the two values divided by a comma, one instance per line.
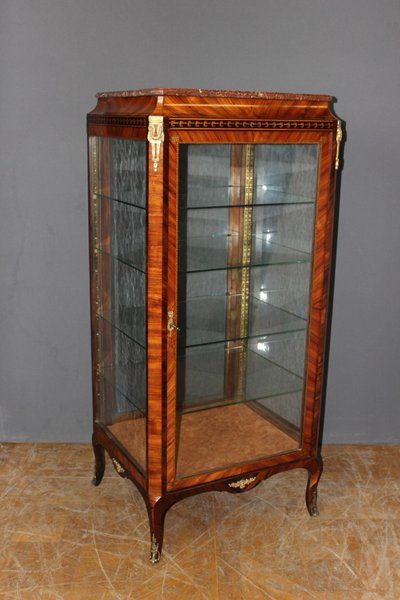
[166, 119]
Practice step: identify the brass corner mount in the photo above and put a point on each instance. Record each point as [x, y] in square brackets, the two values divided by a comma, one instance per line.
[155, 136]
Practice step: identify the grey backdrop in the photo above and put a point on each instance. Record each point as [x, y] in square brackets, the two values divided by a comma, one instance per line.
[54, 56]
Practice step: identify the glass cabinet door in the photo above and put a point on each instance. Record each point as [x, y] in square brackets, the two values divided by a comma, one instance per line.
[119, 207]
[245, 235]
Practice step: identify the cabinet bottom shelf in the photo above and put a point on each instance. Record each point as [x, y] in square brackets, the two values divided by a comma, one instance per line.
[212, 439]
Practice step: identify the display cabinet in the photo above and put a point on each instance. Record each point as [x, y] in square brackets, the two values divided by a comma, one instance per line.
[211, 225]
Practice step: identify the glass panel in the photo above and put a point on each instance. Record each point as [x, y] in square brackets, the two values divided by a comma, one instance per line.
[246, 217]
[119, 207]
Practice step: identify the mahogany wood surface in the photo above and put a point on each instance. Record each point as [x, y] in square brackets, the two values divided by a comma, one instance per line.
[156, 322]
[211, 117]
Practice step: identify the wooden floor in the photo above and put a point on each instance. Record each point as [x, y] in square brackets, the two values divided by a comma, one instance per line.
[61, 538]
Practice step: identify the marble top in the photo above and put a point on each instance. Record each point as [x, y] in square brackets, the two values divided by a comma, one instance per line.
[212, 93]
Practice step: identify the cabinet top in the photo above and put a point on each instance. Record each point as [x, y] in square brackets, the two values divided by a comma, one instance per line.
[213, 93]
[182, 103]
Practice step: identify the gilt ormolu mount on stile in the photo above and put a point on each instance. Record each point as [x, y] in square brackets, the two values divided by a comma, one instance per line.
[211, 223]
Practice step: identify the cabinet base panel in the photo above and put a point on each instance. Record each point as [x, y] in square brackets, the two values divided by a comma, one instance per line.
[212, 439]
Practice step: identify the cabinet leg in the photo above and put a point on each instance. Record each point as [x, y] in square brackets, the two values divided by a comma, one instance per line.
[99, 463]
[157, 514]
[314, 474]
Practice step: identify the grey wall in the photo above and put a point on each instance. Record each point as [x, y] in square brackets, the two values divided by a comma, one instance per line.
[54, 56]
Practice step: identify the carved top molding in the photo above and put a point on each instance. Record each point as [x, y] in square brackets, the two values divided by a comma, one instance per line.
[213, 94]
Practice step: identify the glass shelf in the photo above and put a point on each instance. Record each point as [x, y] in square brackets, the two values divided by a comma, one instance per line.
[126, 307]
[203, 368]
[129, 261]
[206, 317]
[124, 402]
[123, 232]
[125, 326]
[214, 196]
[123, 198]
[124, 364]
[126, 177]
[209, 253]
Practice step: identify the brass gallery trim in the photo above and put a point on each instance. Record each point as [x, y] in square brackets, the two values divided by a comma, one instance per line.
[247, 124]
[242, 483]
[96, 184]
[213, 123]
[126, 121]
[246, 260]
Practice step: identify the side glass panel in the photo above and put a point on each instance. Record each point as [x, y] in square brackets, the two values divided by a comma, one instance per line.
[119, 220]
[245, 231]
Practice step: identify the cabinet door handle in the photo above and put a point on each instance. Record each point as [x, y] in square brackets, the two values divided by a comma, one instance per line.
[171, 325]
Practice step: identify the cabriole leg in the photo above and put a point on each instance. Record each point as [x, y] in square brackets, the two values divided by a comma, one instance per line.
[314, 474]
[99, 463]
